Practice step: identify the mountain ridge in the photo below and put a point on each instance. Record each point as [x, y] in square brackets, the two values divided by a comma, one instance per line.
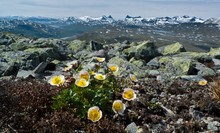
[136, 20]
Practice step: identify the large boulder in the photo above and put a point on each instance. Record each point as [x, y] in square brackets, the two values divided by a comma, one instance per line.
[77, 45]
[200, 57]
[171, 49]
[46, 53]
[126, 68]
[94, 46]
[12, 61]
[176, 65]
[215, 53]
[180, 66]
[143, 50]
[20, 44]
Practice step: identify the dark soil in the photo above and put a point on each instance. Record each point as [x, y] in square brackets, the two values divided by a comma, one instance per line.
[25, 107]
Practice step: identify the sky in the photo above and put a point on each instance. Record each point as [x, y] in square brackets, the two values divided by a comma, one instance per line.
[117, 8]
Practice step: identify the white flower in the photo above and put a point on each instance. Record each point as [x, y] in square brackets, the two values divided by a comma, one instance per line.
[114, 68]
[84, 74]
[94, 114]
[100, 76]
[81, 82]
[129, 94]
[203, 82]
[118, 107]
[57, 80]
[133, 77]
[99, 59]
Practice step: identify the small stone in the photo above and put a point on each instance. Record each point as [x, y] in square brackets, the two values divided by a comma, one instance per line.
[131, 128]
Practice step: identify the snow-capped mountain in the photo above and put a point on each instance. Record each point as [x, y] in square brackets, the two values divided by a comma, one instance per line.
[215, 21]
[77, 25]
[103, 19]
[129, 20]
[161, 20]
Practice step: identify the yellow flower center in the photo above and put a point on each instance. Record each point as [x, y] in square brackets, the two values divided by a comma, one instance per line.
[85, 76]
[100, 77]
[129, 94]
[133, 78]
[113, 68]
[57, 80]
[202, 82]
[81, 82]
[94, 115]
[118, 106]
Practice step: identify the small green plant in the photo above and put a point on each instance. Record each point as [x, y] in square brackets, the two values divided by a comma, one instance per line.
[88, 88]
[92, 88]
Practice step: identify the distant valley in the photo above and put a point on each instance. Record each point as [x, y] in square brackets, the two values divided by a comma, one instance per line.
[194, 33]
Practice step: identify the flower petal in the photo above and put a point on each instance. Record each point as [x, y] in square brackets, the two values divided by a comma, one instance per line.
[94, 114]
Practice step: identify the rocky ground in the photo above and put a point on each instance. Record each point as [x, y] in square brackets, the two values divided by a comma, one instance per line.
[169, 97]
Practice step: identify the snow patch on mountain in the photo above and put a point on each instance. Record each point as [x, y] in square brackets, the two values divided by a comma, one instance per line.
[103, 19]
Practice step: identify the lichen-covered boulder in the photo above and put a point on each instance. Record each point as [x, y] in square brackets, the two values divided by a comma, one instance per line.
[180, 66]
[126, 68]
[215, 53]
[20, 44]
[143, 50]
[171, 49]
[138, 63]
[77, 45]
[176, 65]
[200, 57]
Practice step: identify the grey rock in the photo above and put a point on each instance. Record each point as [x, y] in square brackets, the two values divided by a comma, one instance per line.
[179, 65]
[195, 78]
[37, 72]
[216, 62]
[198, 56]
[195, 113]
[171, 49]
[40, 68]
[215, 53]
[126, 68]
[95, 46]
[77, 46]
[212, 125]
[154, 63]
[144, 50]
[99, 53]
[46, 53]
[138, 63]
[203, 70]
[25, 74]
[153, 72]
[12, 69]
[131, 128]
